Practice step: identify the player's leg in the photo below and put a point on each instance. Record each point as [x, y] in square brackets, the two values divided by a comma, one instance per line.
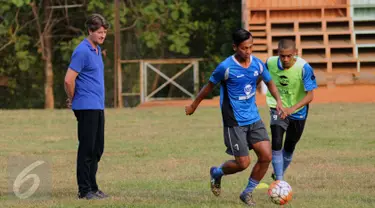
[263, 152]
[293, 135]
[278, 127]
[98, 152]
[95, 159]
[235, 141]
[87, 130]
[227, 168]
[258, 138]
[240, 163]
[277, 154]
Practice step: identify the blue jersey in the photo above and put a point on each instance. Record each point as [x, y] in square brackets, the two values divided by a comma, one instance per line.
[309, 83]
[238, 88]
[89, 89]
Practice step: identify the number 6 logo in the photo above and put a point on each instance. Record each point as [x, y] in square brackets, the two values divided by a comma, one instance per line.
[23, 177]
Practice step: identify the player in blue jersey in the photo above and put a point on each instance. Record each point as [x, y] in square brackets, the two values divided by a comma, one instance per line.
[295, 80]
[243, 127]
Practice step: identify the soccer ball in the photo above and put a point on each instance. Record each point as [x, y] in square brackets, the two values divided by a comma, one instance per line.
[280, 192]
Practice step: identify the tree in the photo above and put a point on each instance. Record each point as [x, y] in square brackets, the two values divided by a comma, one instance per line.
[38, 37]
[44, 29]
[47, 15]
[162, 26]
[213, 40]
[17, 58]
[32, 24]
[156, 28]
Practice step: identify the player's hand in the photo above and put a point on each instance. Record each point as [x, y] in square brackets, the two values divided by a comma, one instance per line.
[189, 109]
[287, 112]
[280, 109]
[68, 103]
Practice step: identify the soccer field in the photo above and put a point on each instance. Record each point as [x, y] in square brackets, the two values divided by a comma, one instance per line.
[158, 157]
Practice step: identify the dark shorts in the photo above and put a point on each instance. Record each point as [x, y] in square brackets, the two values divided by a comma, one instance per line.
[293, 128]
[285, 123]
[240, 139]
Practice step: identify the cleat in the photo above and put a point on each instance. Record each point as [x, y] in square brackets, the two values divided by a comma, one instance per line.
[215, 183]
[247, 198]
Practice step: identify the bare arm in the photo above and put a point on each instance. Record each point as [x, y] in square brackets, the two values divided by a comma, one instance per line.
[201, 95]
[306, 100]
[70, 83]
[275, 93]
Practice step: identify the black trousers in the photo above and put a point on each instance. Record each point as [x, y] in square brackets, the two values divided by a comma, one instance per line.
[90, 149]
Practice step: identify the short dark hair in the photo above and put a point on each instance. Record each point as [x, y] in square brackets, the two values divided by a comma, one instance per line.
[286, 44]
[96, 21]
[240, 35]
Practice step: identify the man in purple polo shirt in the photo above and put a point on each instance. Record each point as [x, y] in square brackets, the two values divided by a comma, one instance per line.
[84, 86]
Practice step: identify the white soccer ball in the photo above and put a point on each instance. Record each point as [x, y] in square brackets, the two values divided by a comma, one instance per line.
[280, 192]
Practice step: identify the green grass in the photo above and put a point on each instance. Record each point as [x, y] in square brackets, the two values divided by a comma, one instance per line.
[158, 157]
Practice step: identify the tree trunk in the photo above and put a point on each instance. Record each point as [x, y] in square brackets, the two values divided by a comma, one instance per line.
[48, 85]
[48, 68]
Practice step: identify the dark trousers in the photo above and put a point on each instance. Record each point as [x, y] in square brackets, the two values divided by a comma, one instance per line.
[90, 149]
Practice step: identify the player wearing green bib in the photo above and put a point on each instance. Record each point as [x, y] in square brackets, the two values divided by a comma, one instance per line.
[295, 80]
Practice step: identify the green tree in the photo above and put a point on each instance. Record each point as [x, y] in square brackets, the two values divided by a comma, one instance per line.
[18, 60]
[213, 40]
[37, 39]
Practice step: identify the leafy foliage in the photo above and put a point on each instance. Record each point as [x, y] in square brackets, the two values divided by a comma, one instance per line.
[150, 29]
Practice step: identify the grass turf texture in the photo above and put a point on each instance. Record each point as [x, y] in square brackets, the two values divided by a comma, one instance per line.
[158, 157]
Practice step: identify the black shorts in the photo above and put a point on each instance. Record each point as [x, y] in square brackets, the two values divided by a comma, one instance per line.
[239, 139]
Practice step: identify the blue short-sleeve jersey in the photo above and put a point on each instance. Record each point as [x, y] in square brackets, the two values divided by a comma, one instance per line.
[238, 88]
[89, 86]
